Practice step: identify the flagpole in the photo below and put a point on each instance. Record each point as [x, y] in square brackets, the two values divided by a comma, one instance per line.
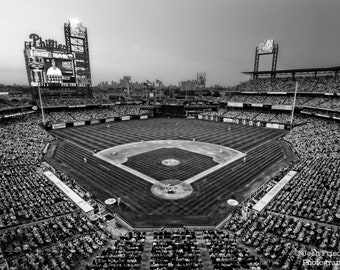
[160, 91]
[293, 107]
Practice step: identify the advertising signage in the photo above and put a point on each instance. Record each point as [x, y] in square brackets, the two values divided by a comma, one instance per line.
[49, 54]
[37, 42]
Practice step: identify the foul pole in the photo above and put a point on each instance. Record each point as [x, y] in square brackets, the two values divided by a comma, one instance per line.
[293, 107]
[41, 106]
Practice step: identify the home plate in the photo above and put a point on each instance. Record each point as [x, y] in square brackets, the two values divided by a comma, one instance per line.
[171, 189]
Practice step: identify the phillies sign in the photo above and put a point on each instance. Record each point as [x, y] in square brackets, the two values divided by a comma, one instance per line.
[37, 42]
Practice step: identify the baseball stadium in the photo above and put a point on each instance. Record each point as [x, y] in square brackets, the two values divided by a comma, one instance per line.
[152, 177]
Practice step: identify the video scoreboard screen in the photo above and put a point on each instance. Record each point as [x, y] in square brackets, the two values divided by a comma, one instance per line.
[50, 67]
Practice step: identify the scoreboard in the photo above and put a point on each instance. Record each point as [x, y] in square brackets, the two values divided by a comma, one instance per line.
[49, 63]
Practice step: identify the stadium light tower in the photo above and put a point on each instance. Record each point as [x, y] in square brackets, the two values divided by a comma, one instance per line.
[264, 48]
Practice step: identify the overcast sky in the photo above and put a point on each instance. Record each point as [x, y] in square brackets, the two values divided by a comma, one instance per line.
[172, 40]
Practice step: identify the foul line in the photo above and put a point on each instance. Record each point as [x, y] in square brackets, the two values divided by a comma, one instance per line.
[220, 154]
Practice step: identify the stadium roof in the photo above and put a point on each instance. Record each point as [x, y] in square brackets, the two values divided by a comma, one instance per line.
[294, 71]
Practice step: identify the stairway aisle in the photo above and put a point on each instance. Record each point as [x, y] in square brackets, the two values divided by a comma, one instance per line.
[207, 263]
[145, 263]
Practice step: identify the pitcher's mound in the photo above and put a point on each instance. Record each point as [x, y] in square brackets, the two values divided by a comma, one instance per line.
[170, 162]
[171, 189]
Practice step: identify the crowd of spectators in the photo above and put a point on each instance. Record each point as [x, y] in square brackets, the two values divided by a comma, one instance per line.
[73, 101]
[325, 85]
[317, 137]
[21, 141]
[226, 253]
[286, 241]
[263, 116]
[26, 238]
[249, 115]
[125, 253]
[26, 196]
[261, 99]
[300, 226]
[313, 193]
[175, 250]
[64, 255]
[14, 101]
[322, 84]
[321, 113]
[325, 103]
[40, 228]
[311, 101]
[60, 117]
[74, 115]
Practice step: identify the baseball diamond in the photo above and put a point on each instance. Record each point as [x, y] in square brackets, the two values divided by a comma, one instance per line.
[135, 151]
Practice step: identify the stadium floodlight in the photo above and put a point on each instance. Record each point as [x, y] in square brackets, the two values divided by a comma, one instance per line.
[266, 46]
[74, 21]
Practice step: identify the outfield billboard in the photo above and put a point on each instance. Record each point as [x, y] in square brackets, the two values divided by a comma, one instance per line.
[48, 63]
[47, 67]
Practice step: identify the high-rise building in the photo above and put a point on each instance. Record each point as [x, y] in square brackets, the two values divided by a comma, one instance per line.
[189, 85]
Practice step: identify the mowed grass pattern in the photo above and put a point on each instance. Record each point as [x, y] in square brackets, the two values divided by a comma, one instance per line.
[206, 205]
[150, 163]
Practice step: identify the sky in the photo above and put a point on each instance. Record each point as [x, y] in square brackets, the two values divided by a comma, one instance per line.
[172, 40]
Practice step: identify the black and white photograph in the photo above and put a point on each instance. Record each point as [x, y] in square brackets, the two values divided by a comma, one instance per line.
[170, 135]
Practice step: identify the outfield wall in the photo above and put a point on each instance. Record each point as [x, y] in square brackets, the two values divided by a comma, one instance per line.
[247, 122]
[95, 121]
[141, 117]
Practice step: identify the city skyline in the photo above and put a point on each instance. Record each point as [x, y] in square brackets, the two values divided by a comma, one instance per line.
[171, 41]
